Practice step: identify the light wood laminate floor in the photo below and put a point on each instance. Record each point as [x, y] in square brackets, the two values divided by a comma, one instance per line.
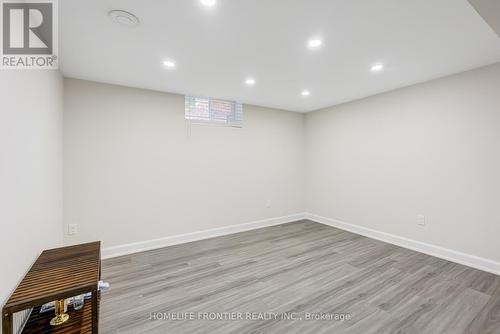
[296, 269]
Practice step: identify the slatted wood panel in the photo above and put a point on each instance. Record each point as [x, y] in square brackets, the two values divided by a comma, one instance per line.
[57, 272]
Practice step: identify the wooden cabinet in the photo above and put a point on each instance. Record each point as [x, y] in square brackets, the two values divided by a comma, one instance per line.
[58, 274]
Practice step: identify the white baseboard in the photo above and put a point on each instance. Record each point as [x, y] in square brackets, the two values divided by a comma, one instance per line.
[437, 251]
[142, 246]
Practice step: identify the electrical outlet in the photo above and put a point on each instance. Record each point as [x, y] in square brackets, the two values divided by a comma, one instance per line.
[420, 220]
[72, 229]
[268, 203]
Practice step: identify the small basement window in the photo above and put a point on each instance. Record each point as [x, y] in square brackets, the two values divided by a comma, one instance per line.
[213, 111]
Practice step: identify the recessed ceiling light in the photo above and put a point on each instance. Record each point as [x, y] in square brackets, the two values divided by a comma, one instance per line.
[124, 18]
[169, 63]
[315, 43]
[208, 3]
[250, 81]
[377, 67]
[305, 93]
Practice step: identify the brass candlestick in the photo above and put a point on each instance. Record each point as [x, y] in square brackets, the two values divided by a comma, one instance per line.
[60, 317]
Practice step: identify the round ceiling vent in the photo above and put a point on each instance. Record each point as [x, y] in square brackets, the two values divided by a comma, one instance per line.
[124, 18]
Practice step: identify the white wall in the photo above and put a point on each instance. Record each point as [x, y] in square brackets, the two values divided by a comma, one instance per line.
[131, 173]
[431, 149]
[131, 170]
[30, 170]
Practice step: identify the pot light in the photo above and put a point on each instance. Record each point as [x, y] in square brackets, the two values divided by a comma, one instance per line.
[169, 64]
[208, 3]
[123, 18]
[377, 67]
[305, 93]
[315, 43]
[250, 82]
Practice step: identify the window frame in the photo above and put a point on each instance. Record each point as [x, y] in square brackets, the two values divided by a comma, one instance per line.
[213, 121]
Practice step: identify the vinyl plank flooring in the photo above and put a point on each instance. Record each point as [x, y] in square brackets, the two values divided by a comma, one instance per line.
[487, 321]
[293, 270]
[457, 315]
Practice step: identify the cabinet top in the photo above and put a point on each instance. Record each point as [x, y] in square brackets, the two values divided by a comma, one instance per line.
[58, 273]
